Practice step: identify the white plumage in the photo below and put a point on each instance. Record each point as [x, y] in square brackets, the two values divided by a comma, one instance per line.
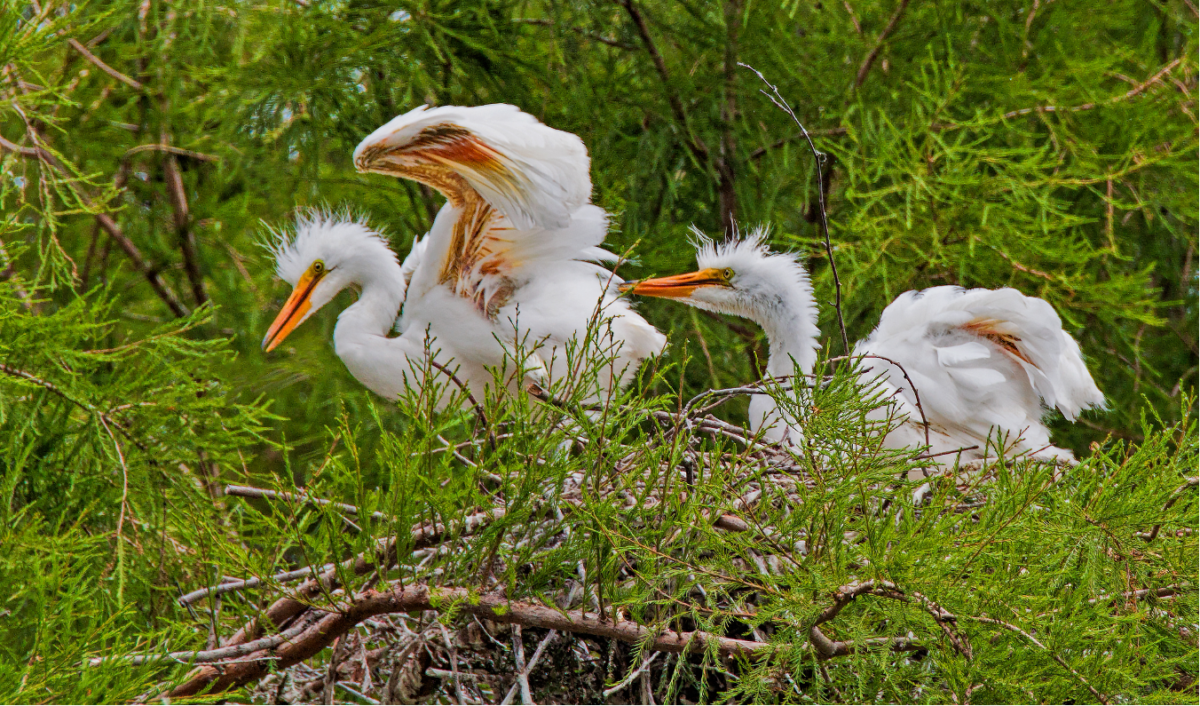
[351, 254]
[508, 268]
[983, 361]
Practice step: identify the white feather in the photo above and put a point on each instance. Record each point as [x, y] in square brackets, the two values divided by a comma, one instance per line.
[997, 356]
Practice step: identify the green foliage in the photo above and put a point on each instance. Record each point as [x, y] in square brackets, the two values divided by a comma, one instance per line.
[1050, 147]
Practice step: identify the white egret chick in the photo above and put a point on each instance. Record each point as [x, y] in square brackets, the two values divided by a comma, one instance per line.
[327, 255]
[983, 361]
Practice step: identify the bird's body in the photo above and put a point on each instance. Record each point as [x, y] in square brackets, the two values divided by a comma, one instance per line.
[983, 361]
[328, 254]
[505, 279]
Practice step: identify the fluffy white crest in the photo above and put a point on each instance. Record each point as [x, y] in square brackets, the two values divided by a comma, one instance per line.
[772, 289]
[333, 237]
[535, 175]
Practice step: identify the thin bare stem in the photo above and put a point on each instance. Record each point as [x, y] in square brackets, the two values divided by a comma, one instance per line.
[780, 103]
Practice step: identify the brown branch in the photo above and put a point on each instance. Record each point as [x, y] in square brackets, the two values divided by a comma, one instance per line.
[23, 151]
[51, 387]
[108, 224]
[132, 83]
[183, 227]
[157, 147]
[285, 609]
[865, 68]
[215, 655]
[214, 679]
[853, 17]
[1133, 92]
[135, 256]
[1191, 482]
[246, 491]
[1164, 592]
[697, 146]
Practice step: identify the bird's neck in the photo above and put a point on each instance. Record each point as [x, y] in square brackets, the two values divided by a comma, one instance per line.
[382, 295]
[791, 329]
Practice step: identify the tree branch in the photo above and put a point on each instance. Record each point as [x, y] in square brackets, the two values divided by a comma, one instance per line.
[1008, 626]
[697, 146]
[108, 224]
[215, 679]
[183, 227]
[865, 68]
[817, 157]
[135, 85]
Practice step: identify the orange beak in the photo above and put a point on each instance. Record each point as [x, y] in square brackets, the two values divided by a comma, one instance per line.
[677, 286]
[293, 311]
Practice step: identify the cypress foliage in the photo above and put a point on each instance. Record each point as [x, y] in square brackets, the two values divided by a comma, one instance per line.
[145, 146]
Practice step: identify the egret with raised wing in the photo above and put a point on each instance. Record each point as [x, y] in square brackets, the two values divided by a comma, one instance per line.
[507, 278]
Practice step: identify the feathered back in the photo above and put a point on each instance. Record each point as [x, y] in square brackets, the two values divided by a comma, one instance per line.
[532, 173]
[1026, 330]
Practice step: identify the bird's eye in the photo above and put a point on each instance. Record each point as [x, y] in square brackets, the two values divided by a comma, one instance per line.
[318, 267]
[727, 274]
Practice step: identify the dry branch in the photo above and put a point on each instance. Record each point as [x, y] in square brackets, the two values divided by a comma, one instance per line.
[493, 607]
[869, 60]
[79, 47]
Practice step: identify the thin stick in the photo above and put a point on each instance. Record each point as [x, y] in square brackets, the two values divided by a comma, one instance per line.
[865, 68]
[206, 656]
[632, 675]
[79, 47]
[537, 654]
[1008, 626]
[837, 283]
[246, 491]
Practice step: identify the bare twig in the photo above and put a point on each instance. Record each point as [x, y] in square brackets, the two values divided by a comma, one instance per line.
[1009, 626]
[1190, 482]
[79, 47]
[526, 669]
[697, 147]
[246, 491]
[156, 147]
[632, 675]
[780, 103]
[206, 656]
[183, 227]
[285, 609]
[51, 387]
[869, 60]
[108, 224]
[1131, 93]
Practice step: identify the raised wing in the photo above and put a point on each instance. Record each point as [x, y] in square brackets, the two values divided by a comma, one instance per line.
[535, 175]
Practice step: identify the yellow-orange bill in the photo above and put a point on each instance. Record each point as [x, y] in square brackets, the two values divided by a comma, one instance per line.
[292, 313]
[675, 287]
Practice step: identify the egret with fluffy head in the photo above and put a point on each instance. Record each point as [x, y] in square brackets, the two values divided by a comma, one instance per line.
[983, 361]
[328, 253]
[507, 277]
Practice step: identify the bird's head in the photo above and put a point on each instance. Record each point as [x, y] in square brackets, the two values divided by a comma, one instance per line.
[740, 277]
[534, 174]
[327, 254]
